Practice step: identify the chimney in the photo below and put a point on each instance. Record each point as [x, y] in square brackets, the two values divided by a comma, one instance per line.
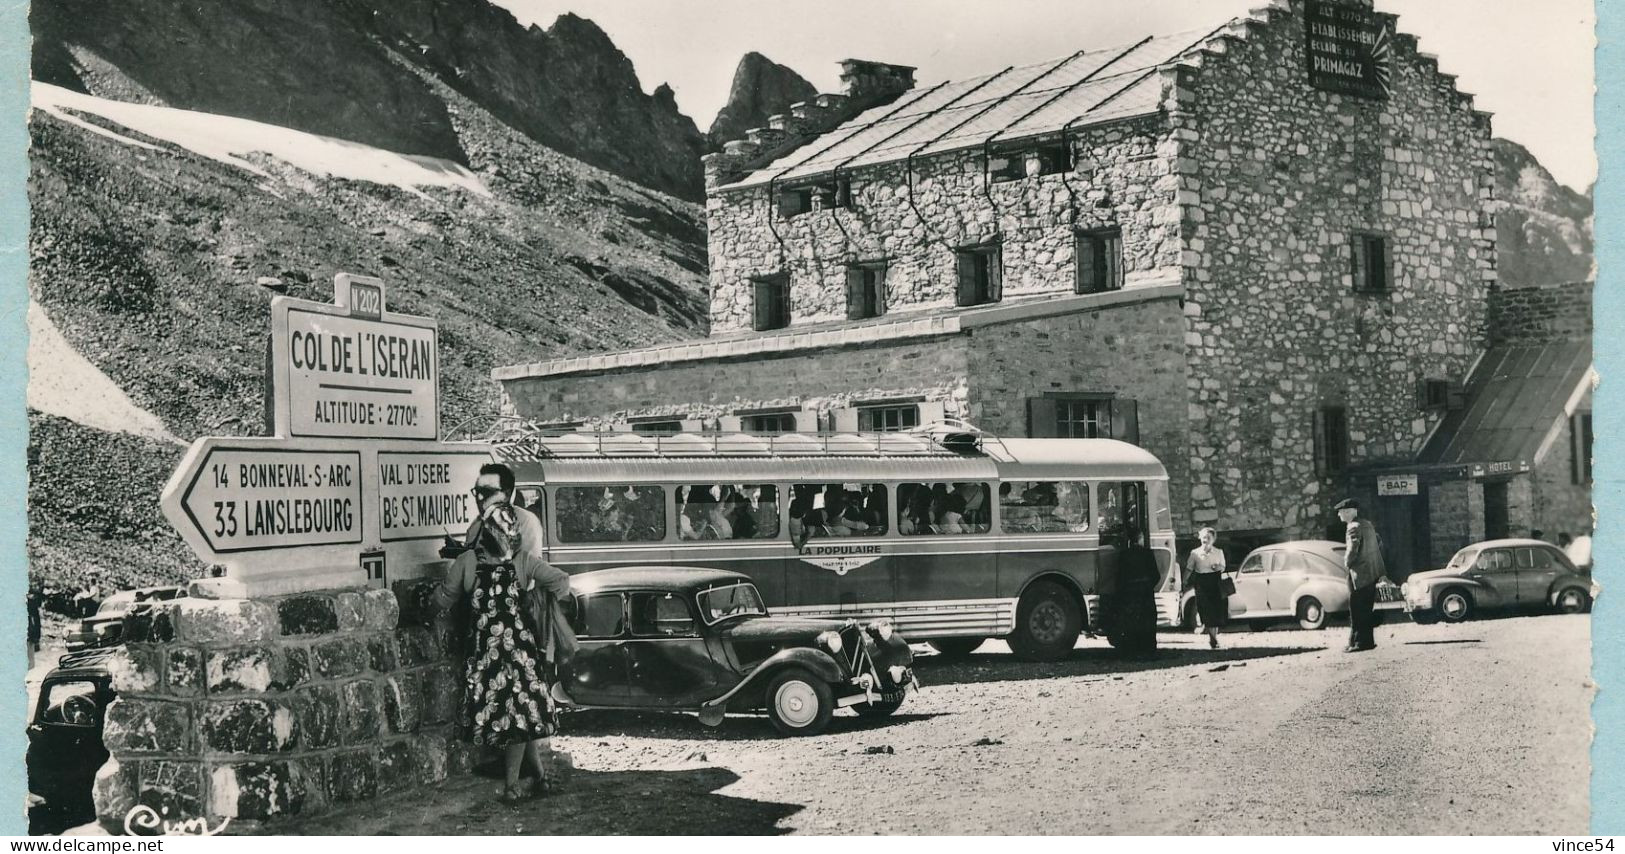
[871, 83]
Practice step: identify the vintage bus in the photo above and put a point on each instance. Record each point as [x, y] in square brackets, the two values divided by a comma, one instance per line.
[954, 536]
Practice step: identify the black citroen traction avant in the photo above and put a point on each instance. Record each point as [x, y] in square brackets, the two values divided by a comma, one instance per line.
[65, 740]
[700, 640]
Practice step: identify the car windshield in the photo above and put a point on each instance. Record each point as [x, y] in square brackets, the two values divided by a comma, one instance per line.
[735, 600]
[1463, 558]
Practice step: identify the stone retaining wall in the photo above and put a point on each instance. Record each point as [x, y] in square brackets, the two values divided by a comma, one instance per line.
[1541, 314]
[256, 709]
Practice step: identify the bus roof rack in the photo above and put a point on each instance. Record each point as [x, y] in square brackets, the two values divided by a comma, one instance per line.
[945, 438]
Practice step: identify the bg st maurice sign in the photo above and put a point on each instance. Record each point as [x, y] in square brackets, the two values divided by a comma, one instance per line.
[355, 488]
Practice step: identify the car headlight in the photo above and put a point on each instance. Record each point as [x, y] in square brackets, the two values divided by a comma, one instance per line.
[882, 629]
[830, 641]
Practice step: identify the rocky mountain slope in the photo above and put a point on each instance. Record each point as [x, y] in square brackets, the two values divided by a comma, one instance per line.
[761, 88]
[1544, 231]
[362, 70]
[155, 257]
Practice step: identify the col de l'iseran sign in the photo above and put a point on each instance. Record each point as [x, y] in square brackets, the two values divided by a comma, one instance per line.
[355, 487]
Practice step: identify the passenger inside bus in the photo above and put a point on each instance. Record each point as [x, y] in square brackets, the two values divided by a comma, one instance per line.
[944, 508]
[1044, 507]
[837, 510]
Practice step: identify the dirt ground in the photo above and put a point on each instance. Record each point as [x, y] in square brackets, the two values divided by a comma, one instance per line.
[1482, 728]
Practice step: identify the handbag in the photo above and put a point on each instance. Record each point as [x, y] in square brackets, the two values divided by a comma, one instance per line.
[1227, 585]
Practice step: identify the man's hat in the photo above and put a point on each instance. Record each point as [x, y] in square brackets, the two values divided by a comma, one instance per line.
[1348, 504]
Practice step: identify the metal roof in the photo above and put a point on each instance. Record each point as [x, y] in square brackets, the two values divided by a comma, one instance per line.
[836, 458]
[1514, 397]
[1089, 87]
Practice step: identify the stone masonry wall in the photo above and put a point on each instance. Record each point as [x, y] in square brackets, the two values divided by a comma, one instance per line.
[258, 709]
[1560, 504]
[1541, 314]
[916, 233]
[1135, 352]
[818, 380]
[1275, 176]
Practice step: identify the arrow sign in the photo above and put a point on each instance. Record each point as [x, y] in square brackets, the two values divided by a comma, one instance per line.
[229, 497]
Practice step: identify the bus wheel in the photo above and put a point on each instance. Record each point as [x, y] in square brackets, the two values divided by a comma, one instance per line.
[1047, 623]
[953, 649]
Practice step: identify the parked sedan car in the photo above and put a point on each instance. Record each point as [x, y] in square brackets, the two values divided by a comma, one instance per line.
[106, 628]
[65, 740]
[700, 640]
[1302, 580]
[1499, 575]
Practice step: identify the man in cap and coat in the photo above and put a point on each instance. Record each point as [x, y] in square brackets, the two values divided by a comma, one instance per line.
[1363, 560]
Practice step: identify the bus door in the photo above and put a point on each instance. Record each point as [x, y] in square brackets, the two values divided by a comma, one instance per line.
[947, 554]
[837, 563]
[734, 526]
[609, 525]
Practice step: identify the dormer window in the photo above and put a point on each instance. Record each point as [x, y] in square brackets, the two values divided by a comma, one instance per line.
[795, 201]
[833, 194]
[1010, 166]
[1055, 159]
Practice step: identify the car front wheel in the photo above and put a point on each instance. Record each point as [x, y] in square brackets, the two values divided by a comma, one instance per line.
[1573, 600]
[799, 703]
[1311, 614]
[1455, 605]
[1047, 623]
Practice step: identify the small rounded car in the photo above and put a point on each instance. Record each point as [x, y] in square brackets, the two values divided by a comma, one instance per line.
[1301, 580]
[65, 740]
[1499, 575]
[106, 627]
[700, 640]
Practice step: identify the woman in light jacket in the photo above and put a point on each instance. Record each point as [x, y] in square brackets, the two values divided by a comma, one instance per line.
[507, 700]
[1206, 568]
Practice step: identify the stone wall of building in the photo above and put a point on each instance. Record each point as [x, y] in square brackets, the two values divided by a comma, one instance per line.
[1275, 176]
[243, 711]
[1133, 351]
[705, 390]
[1558, 503]
[915, 225]
[1540, 314]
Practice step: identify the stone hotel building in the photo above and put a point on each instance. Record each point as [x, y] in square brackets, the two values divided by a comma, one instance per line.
[1263, 248]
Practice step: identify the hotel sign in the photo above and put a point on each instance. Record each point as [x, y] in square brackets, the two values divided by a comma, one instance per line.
[1349, 50]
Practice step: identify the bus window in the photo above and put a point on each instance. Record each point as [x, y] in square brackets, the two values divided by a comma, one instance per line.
[944, 508]
[1044, 507]
[727, 511]
[1121, 506]
[530, 498]
[837, 510]
[610, 514]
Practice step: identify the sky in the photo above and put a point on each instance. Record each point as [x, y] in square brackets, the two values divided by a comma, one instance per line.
[1528, 61]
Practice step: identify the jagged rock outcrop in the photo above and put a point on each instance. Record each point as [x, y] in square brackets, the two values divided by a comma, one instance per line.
[761, 88]
[351, 69]
[1544, 232]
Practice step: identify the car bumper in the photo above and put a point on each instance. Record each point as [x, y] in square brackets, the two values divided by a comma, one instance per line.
[892, 687]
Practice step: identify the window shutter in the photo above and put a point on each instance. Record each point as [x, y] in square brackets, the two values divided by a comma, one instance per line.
[931, 412]
[847, 421]
[995, 274]
[731, 424]
[1456, 397]
[1112, 250]
[1319, 433]
[854, 293]
[1385, 262]
[1126, 421]
[1357, 261]
[1576, 449]
[966, 262]
[763, 304]
[1083, 251]
[880, 290]
[1041, 418]
[806, 420]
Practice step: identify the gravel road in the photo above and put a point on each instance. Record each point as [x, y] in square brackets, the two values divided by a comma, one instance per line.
[1482, 728]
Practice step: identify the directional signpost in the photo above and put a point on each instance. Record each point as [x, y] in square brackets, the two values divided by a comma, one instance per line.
[355, 488]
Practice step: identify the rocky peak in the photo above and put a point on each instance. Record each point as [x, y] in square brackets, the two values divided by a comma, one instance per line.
[761, 88]
[1544, 231]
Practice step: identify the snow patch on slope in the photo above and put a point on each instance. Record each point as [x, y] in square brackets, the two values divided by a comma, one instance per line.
[227, 139]
[65, 384]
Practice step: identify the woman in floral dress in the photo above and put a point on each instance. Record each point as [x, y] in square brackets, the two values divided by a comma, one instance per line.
[507, 702]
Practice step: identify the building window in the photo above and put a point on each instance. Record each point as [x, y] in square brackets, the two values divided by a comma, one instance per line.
[981, 274]
[1580, 467]
[865, 291]
[770, 422]
[1010, 166]
[772, 302]
[1083, 416]
[1099, 258]
[1372, 265]
[1331, 440]
[657, 428]
[888, 419]
[795, 201]
[833, 194]
[1055, 159]
[1435, 394]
